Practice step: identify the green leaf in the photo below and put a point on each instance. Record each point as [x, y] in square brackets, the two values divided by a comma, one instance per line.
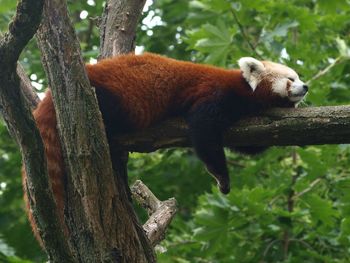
[333, 6]
[215, 41]
[280, 30]
[321, 209]
[343, 48]
[7, 6]
[344, 236]
[315, 166]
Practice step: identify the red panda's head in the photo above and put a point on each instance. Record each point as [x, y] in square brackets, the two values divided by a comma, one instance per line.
[272, 80]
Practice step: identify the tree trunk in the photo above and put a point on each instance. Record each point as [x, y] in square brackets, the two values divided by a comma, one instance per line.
[100, 218]
[15, 108]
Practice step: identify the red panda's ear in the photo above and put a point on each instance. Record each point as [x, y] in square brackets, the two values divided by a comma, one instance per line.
[251, 70]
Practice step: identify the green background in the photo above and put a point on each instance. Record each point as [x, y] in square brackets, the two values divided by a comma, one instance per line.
[253, 223]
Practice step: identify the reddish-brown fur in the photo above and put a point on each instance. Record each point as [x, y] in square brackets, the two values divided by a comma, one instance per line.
[149, 88]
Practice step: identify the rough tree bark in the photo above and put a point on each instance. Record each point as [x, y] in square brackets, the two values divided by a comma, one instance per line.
[98, 210]
[302, 126]
[118, 27]
[117, 34]
[27, 88]
[102, 229]
[91, 232]
[15, 110]
[161, 212]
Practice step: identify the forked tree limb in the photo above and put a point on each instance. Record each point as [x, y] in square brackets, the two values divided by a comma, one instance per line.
[161, 212]
[302, 126]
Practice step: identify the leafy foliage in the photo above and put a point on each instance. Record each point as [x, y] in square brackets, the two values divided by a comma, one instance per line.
[15, 234]
[287, 205]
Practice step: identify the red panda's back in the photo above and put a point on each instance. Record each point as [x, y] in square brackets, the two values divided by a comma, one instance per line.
[149, 86]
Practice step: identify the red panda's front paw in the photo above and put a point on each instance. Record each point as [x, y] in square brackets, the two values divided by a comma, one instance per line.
[222, 178]
[224, 188]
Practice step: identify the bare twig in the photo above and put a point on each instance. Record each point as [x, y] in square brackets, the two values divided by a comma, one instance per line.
[312, 185]
[245, 36]
[161, 212]
[273, 200]
[290, 202]
[324, 71]
[273, 242]
[305, 244]
[269, 246]
[144, 196]
[88, 33]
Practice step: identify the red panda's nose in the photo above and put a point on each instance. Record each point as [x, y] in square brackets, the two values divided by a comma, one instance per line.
[306, 87]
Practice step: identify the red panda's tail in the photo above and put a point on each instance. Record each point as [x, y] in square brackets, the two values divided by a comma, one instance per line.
[45, 118]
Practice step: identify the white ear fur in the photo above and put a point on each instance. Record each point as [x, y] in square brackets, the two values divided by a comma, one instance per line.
[251, 69]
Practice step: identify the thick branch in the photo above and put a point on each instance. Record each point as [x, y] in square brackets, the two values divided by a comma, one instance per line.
[118, 33]
[17, 115]
[302, 126]
[119, 23]
[21, 29]
[98, 219]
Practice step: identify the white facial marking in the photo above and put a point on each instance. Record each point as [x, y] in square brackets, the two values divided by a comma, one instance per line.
[297, 90]
[285, 81]
[279, 86]
[252, 70]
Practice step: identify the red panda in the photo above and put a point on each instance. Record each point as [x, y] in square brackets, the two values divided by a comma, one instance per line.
[135, 92]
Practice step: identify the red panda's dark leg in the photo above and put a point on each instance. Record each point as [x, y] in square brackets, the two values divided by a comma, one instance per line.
[206, 123]
[116, 122]
[209, 149]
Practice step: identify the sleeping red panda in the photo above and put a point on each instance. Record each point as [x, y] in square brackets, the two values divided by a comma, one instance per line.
[135, 92]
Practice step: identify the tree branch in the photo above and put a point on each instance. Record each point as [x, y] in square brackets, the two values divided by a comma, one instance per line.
[244, 35]
[161, 212]
[324, 71]
[21, 29]
[119, 23]
[17, 115]
[308, 189]
[290, 203]
[281, 127]
[27, 88]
